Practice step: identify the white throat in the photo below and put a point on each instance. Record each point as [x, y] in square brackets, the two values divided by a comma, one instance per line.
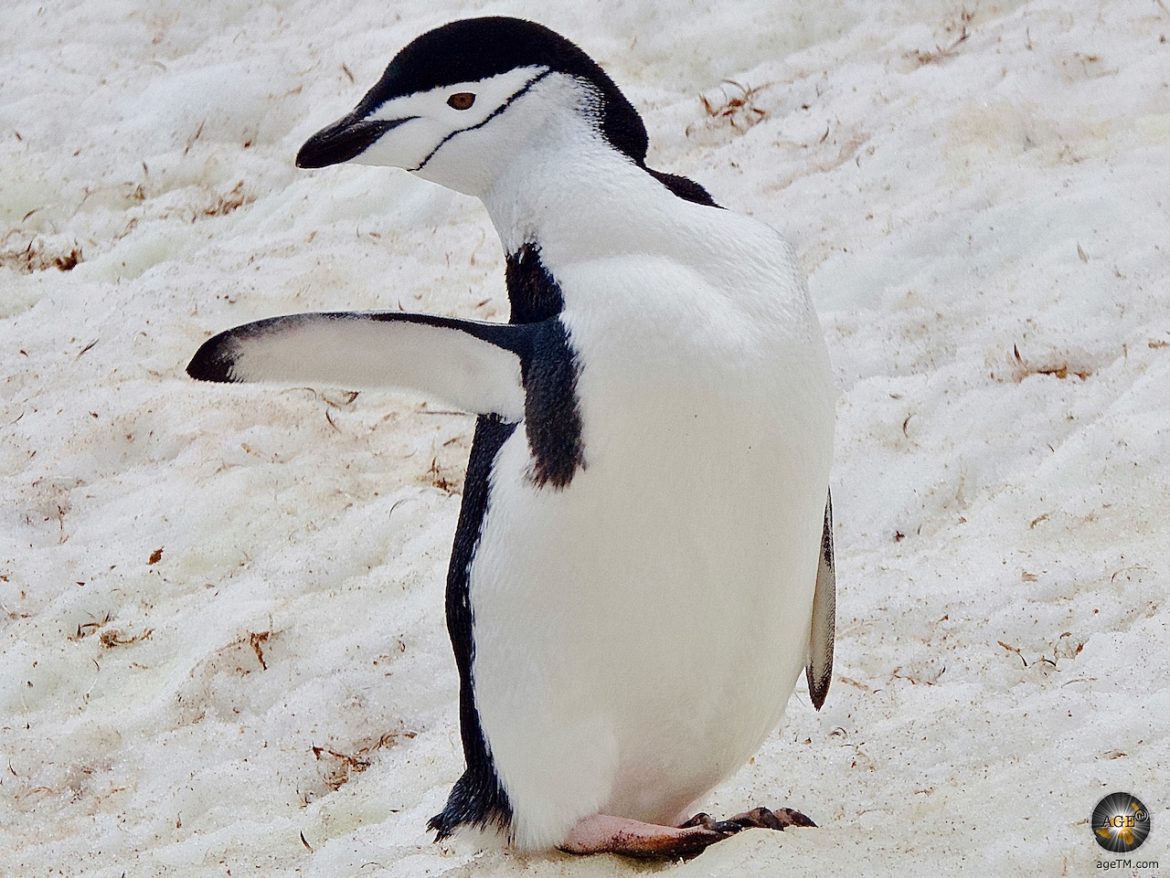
[568, 188]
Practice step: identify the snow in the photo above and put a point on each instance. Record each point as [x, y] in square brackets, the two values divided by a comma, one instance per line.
[200, 585]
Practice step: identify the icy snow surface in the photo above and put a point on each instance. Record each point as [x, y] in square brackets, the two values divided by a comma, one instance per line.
[200, 584]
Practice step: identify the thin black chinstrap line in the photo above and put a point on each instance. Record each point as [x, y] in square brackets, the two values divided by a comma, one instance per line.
[495, 113]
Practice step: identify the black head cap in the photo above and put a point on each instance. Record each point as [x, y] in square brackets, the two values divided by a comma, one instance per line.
[476, 48]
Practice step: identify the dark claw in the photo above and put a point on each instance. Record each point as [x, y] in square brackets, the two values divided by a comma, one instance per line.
[763, 818]
[705, 820]
[717, 830]
[789, 817]
[768, 819]
[700, 819]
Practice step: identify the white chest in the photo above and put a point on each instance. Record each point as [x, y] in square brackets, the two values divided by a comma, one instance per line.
[619, 622]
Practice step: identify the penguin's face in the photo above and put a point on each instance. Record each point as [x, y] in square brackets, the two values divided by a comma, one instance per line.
[461, 102]
[453, 134]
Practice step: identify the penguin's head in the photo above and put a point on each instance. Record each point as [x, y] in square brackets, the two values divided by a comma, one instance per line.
[461, 102]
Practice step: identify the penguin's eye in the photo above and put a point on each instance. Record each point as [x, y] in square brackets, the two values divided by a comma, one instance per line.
[461, 100]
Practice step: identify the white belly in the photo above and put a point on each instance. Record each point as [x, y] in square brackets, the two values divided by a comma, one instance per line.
[638, 633]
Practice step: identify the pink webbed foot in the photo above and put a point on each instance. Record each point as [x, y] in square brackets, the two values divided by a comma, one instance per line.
[632, 838]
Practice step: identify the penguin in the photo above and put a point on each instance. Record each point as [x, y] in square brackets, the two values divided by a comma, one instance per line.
[643, 560]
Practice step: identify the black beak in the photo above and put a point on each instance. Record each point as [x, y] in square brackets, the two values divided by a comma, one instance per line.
[343, 140]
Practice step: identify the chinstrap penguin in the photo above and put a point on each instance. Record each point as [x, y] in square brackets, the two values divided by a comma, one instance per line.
[643, 561]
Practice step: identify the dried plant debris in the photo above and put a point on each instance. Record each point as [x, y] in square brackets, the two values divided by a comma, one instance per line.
[257, 639]
[1065, 647]
[194, 137]
[927, 675]
[941, 53]
[736, 108]
[1013, 649]
[443, 478]
[437, 478]
[1051, 364]
[337, 400]
[36, 255]
[340, 765]
[231, 200]
[84, 629]
[113, 637]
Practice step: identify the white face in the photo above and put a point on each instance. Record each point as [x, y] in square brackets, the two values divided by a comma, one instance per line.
[441, 114]
[457, 135]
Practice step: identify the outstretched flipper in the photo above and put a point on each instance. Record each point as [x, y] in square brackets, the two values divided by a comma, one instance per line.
[472, 365]
[819, 671]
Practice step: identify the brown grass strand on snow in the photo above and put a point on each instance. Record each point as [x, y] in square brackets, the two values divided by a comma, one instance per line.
[231, 200]
[113, 637]
[1052, 365]
[37, 256]
[344, 764]
[738, 110]
[257, 639]
[941, 53]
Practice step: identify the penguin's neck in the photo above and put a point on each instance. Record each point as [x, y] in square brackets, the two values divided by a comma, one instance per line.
[573, 196]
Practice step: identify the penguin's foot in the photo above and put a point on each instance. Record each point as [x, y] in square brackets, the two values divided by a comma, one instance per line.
[757, 818]
[632, 838]
[763, 818]
[602, 834]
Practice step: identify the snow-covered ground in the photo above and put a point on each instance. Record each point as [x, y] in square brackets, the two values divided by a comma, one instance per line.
[223, 650]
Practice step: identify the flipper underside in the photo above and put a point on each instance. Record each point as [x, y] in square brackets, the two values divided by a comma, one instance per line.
[472, 365]
[819, 671]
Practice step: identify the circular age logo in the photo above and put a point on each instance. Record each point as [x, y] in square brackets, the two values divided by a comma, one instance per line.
[1120, 823]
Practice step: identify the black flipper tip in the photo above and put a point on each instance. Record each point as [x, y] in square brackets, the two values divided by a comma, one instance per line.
[213, 361]
[818, 688]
